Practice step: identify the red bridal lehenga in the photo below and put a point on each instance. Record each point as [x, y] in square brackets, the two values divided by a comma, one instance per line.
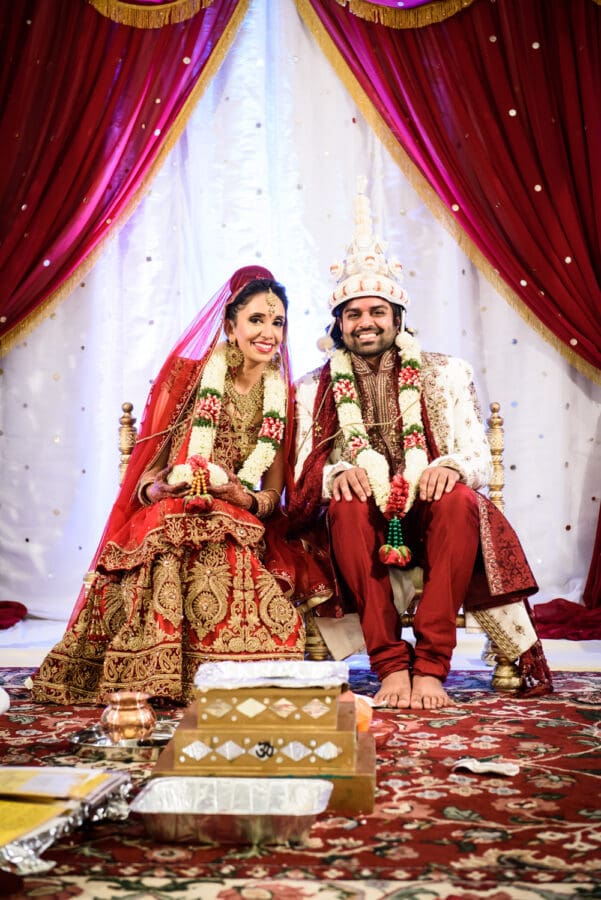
[174, 589]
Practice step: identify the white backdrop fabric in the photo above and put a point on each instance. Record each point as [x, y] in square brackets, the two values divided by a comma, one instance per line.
[266, 171]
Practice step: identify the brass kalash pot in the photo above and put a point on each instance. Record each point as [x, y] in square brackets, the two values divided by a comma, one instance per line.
[128, 717]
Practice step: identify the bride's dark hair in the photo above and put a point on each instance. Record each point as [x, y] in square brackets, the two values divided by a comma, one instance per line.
[256, 286]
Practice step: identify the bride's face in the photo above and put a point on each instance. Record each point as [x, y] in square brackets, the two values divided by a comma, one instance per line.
[259, 328]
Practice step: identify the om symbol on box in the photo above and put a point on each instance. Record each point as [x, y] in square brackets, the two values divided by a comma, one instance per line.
[264, 750]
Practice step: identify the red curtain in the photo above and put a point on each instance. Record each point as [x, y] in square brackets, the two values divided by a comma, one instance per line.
[86, 107]
[498, 107]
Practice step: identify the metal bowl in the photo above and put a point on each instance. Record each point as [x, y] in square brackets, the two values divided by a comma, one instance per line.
[214, 810]
[94, 743]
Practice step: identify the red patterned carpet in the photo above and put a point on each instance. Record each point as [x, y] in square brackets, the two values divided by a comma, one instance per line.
[435, 832]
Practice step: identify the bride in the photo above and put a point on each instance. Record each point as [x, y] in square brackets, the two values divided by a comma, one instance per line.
[187, 570]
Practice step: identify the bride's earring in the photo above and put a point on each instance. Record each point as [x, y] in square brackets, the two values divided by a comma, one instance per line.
[276, 362]
[234, 355]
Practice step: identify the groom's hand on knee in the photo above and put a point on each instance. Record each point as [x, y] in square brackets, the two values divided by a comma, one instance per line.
[351, 483]
[437, 481]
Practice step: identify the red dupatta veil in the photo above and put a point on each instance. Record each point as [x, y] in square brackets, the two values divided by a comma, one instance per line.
[169, 395]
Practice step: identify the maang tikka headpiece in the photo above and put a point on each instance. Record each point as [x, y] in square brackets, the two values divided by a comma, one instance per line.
[365, 272]
[271, 302]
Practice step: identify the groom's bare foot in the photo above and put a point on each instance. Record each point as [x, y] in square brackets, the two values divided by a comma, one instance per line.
[395, 691]
[428, 693]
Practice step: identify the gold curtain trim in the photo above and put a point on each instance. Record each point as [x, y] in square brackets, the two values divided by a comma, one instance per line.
[429, 195]
[48, 306]
[428, 14]
[149, 15]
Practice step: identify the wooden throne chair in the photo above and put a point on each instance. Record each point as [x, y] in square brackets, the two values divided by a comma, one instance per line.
[505, 675]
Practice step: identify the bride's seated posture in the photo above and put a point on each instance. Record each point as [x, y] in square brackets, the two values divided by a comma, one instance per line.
[189, 568]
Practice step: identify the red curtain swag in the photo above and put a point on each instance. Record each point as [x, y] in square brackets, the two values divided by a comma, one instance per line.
[410, 14]
[87, 108]
[149, 13]
[497, 107]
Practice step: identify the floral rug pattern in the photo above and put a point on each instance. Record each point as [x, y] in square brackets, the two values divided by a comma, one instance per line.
[437, 831]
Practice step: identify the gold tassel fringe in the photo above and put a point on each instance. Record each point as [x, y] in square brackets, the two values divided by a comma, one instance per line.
[146, 15]
[49, 306]
[429, 195]
[428, 14]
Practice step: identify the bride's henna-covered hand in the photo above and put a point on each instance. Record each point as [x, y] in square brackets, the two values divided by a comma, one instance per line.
[160, 489]
[233, 492]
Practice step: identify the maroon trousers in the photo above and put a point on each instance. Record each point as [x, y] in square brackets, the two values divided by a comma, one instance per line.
[444, 538]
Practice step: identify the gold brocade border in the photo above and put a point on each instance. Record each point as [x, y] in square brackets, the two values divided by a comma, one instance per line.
[53, 301]
[148, 15]
[429, 195]
[428, 14]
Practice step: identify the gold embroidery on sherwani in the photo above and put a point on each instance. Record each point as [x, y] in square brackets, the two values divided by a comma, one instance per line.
[494, 572]
[207, 588]
[500, 636]
[378, 394]
[437, 399]
[455, 417]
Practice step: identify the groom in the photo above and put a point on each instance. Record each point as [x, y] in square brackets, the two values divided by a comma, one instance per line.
[391, 443]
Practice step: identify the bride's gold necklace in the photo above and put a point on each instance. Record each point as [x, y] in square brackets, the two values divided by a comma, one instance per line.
[246, 409]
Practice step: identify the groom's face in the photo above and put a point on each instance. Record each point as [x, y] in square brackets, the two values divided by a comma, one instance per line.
[368, 326]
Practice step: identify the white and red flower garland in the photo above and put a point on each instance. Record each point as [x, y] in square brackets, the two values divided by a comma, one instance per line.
[206, 417]
[394, 497]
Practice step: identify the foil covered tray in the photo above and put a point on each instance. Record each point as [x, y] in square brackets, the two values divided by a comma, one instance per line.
[56, 817]
[216, 810]
[94, 743]
[231, 674]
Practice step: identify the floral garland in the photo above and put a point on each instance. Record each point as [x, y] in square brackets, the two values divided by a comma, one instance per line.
[394, 498]
[204, 427]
